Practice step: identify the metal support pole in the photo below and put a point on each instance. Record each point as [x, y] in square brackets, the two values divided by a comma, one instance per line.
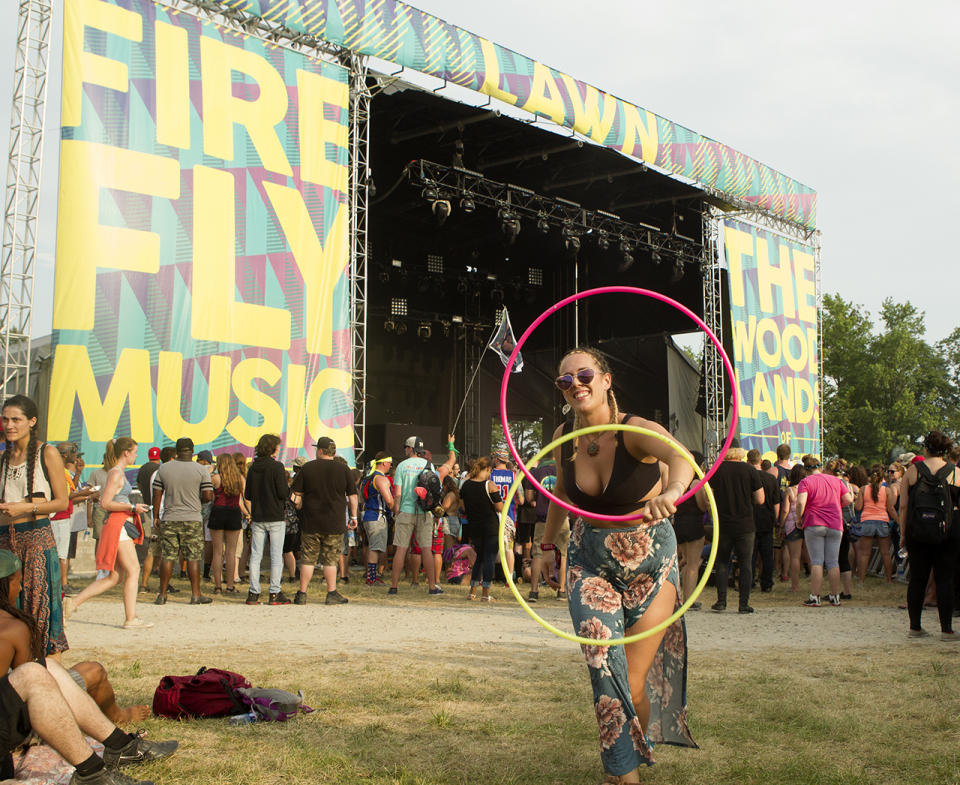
[22, 203]
[819, 390]
[713, 373]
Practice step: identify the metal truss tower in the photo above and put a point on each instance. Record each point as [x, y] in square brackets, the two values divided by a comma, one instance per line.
[22, 203]
[713, 371]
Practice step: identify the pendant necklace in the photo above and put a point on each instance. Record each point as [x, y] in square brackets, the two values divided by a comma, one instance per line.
[593, 448]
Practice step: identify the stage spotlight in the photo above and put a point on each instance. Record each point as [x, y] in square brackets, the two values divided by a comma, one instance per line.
[456, 319]
[430, 194]
[401, 328]
[509, 225]
[424, 331]
[467, 205]
[389, 326]
[543, 226]
[603, 242]
[441, 209]
[655, 256]
[678, 271]
[627, 262]
[571, 242]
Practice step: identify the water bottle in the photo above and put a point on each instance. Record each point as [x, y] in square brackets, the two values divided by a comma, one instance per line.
[244, 719]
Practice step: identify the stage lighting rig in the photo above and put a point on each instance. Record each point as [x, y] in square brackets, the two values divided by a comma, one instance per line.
[389, 326]
[509, 225]
[603, 242]
[467, 205]
[626, 253]
[401, 328]
[571, 242]
[441, 210]
[398, 306]
[543, 225]
[424, 331]
[655, 256]
[430, 194]
[678, 271]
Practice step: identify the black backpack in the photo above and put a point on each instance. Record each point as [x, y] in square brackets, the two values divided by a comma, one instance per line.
[432, 497]
[931, 506]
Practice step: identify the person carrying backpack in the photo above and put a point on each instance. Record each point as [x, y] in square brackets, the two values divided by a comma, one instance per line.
[376, 499]
[929, 492]
[411, 518]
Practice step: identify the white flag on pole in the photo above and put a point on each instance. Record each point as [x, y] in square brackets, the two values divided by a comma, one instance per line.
[504, 342]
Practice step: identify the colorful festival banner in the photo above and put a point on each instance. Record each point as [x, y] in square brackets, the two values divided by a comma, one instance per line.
[773, 312]
[401, 34]
[201, 282]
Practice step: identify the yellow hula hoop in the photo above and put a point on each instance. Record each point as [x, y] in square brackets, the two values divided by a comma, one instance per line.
[690, 600]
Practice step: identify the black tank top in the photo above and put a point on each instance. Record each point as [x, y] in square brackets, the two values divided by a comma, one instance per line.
[630, 480]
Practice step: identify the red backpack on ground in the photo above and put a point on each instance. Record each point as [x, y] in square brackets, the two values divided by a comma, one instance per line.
[211, 693]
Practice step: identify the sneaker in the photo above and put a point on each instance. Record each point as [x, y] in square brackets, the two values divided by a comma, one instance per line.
[435, 590]
[949, 636]
[392, 590]
[845, 596]
[144, 590]
[107, 777]
[745, 609]
[172, 590]
[375, 582]
[137, 624]
[335, 598]
[68, 607]
[345, 579]
[161, 599]
[834, 600]
[280, 599]
[696, 606]
[253, 598]
[201, 600]
[813, 601]
[561, 595]
[921, 633]
[718, 607]
[300, 598]
[139, 750]
[533, 596]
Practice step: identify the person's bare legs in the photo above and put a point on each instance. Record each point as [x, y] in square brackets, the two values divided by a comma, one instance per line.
[306, 573]
[563, 573]
[231, 539]
[329, 575]
[85, 711]
[166, 573]
[290, 562]
[99, 586]
[884, 545]
[147, 567]
[193, 570]
[795, 547]
[864, 549]
[690, 553]
[399, 557]
[128, 562]
[833, 578]
[816, 578]
[216, 560]
[50, 715]
[99, 688]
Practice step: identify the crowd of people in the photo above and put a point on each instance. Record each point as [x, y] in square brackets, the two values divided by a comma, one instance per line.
[213, 518]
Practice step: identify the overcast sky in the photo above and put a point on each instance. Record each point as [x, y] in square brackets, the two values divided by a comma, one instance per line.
[857, 100]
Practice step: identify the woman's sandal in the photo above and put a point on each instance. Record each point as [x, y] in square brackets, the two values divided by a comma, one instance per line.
[217, 590]
[488, 599]
[230, 590]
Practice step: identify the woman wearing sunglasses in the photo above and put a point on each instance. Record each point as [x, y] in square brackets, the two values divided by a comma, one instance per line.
[622, 577]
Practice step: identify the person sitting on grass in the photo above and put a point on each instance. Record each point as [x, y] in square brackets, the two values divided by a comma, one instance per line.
[39, 696]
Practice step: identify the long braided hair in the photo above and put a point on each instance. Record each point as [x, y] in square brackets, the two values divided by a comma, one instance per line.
[36, 638]
[604, 367]
[30, 411]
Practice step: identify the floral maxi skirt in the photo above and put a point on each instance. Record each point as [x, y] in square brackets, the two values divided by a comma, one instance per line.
[41, 595]
[613, 575]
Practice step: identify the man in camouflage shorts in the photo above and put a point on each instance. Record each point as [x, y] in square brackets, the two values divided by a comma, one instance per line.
[181, 486]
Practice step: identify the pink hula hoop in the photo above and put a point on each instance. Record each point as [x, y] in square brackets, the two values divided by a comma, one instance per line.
[615, 290]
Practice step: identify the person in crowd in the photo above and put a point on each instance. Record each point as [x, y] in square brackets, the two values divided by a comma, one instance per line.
[838, 468]
[792, 531]
[874, 526]
[526, 523]
[144, 478]
[931, 542]
[27, 498]
[181, 486]
[543, 555]
[351, 541]
[781, 564]
[765, 516]
[783, 465]
[688, 529]
[205, 459]
[458, 561]
[411, 450]
[622, 577]
[146, 471]
[451, 512]
[502, 476]
[291, 535]
[409, 519]
[39, 695]
[121, 532]
[894, 476]
[62, 522]
[482, 502]
[321, 491]
[154, 554]
[820, 498]
[226, 523]
[266, 489]
[737, 488]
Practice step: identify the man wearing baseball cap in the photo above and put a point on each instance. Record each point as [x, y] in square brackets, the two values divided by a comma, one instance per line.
[39, 696]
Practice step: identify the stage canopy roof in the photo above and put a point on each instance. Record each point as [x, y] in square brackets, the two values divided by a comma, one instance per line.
[401, 34]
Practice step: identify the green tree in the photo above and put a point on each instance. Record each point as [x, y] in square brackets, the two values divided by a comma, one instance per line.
[527, 435]
[886, 387]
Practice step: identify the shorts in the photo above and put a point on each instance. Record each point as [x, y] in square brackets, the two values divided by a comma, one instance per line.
[410, 523]
[873, 529]
[14, 719]
[794, 536]
[75, 675]
[563, 537]
[509, 533]
[525, 532]
[688, 528]
[291, 542]
[452, 526]
[228, 519]
[349, 541]
[61, 536]
[322, 549]
[376, 534]
[823, 545]
[181, 537]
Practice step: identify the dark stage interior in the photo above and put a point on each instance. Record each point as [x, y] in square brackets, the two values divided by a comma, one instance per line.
[435, 287]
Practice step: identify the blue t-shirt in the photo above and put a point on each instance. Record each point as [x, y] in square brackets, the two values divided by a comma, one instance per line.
[503, 478]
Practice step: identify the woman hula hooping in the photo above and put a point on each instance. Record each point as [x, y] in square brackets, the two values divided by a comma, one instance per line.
[32, 486]
[622, 579]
